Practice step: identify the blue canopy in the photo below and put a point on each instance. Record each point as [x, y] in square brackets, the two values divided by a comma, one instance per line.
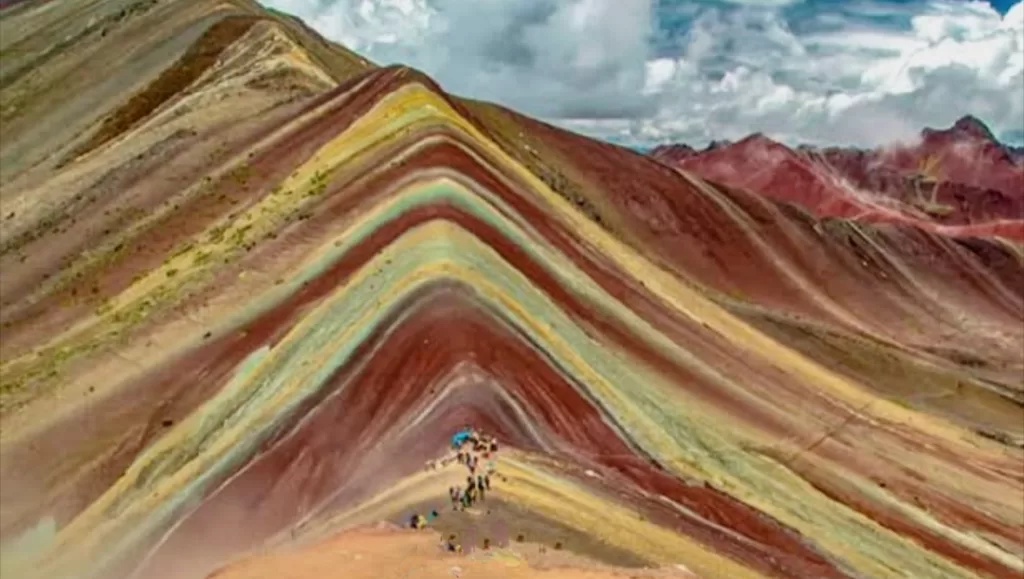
[460, 437]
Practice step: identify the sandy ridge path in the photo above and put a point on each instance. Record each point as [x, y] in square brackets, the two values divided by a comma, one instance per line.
[386, 552]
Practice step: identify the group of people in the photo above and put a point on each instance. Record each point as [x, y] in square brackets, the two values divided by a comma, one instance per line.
[468, 446]
[476, 489]
[471, 446]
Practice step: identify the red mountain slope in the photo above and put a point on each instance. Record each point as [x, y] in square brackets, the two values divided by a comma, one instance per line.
[958, 181]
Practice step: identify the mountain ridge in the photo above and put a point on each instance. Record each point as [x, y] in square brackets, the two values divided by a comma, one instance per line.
[260, 305]
[959, 180]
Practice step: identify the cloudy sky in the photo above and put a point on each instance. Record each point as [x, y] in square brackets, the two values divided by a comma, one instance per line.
[644, 72]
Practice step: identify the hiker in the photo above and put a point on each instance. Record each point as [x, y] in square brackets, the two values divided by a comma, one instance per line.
[480, 485]
[487, 481]
[453, 495]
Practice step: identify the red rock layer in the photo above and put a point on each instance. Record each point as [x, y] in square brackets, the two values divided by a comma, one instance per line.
[959, 181]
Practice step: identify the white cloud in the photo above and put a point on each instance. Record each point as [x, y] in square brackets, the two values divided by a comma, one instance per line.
[552, 58]
[868, 87]
[860, 72]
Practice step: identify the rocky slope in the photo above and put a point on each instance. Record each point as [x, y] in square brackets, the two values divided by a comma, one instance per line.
[252, 282]
[958, 181]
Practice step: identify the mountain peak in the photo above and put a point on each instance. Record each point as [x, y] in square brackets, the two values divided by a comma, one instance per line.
[972, 126]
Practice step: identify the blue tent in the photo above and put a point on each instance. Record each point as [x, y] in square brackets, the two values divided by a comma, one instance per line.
[459, 437]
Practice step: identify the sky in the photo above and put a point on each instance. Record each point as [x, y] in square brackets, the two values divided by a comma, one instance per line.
[647, 72]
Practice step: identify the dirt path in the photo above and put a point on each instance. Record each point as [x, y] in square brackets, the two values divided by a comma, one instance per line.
[386, 553]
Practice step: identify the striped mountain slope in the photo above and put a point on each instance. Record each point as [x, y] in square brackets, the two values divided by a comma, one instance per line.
[252, 282]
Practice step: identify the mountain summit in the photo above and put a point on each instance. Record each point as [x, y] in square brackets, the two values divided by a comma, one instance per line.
[972, 127]
[253, 284]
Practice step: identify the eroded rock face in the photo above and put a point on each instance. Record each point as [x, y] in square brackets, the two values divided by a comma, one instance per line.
[247, 313]
[960, 180]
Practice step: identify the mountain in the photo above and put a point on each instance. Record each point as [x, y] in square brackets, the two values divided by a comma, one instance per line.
[252, 283]
[959, 181]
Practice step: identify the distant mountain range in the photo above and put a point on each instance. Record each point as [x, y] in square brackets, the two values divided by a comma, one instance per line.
[960, 180]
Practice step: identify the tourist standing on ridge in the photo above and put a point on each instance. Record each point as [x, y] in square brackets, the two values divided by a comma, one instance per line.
[470, 489]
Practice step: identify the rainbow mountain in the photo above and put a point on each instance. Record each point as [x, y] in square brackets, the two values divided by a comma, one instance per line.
[253, 281]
